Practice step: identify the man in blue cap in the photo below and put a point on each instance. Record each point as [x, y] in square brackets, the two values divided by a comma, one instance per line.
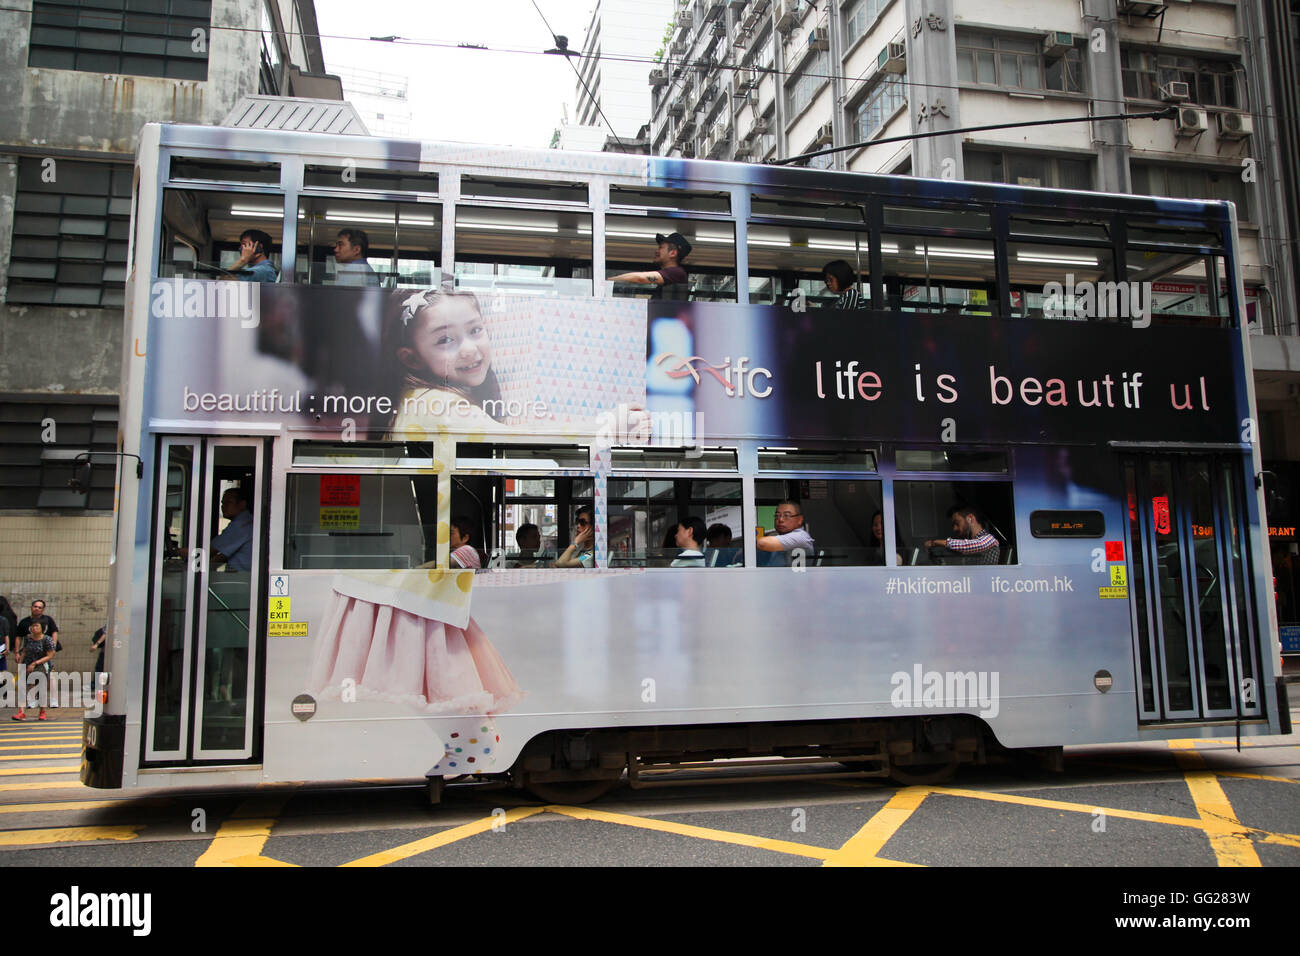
[668, 270]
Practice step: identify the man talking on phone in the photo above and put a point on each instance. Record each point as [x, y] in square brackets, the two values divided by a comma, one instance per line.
[253, 264]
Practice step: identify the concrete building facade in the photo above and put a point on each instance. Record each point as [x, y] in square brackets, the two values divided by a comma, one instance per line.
[77, 83]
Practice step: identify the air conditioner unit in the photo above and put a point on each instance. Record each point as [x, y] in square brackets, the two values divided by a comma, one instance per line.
[1140, 8]
[675, 108]
[892, 58]
[819, 40]
[787, 15]
[761, 126]
[658, 78]
[1058, 43]
[753, 99]
[1234, 125]
[1175, 92]
[719, 28]
[825, 135]
[1191, 121]
[685, 19]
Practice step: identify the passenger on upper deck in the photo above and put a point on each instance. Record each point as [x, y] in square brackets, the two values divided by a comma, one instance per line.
[582, 552]
[840, 279]
[253, 264]
[790, 536]
[970, 539]
[690, 538]
[350, 251]
[672, 249]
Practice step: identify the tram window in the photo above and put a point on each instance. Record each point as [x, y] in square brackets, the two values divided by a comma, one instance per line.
[1165, 233]
[673, 459]
[804, 459]
[644, 513]
[832, 209]
[225, 171]
[351, 521]
[710, 266]
[670, 199]
[201, 229]
[785, 258]
[364, 454]
[923, 511]
[839, 514]
[1031, 267]
[533, 190]
[928, 459]
[523, 251]
[479, 456]
[1185, 289]
[357, 179]
[949, 275]
[926, 217]
[498, 506]
[1048, 224]
[403, 242]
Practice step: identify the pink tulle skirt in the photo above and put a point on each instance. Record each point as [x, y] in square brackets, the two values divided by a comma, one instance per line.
[396, 656]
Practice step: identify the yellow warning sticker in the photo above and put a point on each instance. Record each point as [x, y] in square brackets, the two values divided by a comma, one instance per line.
[287, 629]
[1112, 592]
[1118, 576]
[340, 519]
[278, 609]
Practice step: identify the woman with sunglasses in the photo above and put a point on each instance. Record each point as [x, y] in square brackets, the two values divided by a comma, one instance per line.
[582, 552]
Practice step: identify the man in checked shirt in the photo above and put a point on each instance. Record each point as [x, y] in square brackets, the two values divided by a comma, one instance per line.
[969, 539]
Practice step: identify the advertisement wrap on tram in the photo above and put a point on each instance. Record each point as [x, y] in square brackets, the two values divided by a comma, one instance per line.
[364, 645]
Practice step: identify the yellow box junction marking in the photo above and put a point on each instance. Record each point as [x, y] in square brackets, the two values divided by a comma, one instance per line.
[863, 848]
[415, 848]
[240, 839]
[68, 835]
[1229, 838]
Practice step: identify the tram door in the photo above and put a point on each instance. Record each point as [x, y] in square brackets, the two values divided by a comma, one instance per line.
[1190, 588]
[209, 528]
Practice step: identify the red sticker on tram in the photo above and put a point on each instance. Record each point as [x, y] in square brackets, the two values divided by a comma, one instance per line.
[340, 491]
[1114, 550]
[1160, 512]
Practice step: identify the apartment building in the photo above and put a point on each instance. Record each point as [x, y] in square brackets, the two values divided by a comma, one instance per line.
[78, 79]
[611, 99]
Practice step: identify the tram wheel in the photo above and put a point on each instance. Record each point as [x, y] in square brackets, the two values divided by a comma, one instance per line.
[941, 770]
[571, 791]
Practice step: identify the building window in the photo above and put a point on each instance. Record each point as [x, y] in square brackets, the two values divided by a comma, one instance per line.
[877, 107]
[37, 471]
[860, 17]
[268, 75]
[147, 38]
[1028, 169]
[812, 77]
[1209, 82]
[1016, 63]
[1193, 182]
[70, 234]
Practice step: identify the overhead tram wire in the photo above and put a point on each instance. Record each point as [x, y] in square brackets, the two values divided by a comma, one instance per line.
[618, 58]
[562, 49]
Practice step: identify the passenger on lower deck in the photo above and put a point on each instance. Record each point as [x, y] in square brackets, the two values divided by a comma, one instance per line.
[690, 538]
[720, 553]
[582, 552]
[789, 537]
[970, 540]
[463, 553]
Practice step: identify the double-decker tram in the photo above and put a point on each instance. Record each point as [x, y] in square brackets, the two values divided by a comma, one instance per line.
[426, 492]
